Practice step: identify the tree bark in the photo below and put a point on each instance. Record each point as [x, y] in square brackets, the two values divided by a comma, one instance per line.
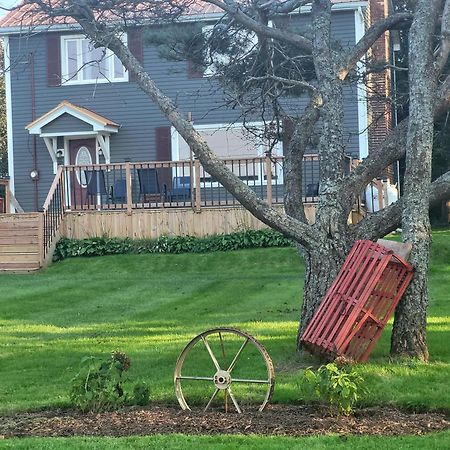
[409, 332]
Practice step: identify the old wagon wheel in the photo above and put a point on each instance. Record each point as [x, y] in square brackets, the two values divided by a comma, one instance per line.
[224, 365]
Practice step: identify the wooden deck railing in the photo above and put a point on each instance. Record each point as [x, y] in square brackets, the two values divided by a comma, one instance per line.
[172, 184]
[4, 195]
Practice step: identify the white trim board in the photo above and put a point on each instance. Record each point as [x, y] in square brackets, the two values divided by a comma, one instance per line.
[361, 94]
[9, 125]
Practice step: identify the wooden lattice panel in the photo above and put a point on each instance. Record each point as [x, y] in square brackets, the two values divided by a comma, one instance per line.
[356, 307]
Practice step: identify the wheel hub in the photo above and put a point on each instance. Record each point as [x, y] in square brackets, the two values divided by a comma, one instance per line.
[222, 379]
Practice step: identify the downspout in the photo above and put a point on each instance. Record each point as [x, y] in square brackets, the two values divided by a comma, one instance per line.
[34, 143]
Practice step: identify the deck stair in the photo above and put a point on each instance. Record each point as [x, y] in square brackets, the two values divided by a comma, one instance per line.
[20, 242]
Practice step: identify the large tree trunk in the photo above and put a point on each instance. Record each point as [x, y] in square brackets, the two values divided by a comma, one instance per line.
[409, 332]
[322, 264]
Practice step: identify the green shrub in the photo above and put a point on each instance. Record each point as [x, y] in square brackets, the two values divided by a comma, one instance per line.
[141, 394]
[339, 387]
[100, 246]
[100, 385]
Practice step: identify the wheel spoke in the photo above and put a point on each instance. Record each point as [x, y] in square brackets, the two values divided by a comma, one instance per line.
[223, 350]
[211, 354]
[185, 377]
[233, 363]
[211, 399]
[235, 403]
[247, 380]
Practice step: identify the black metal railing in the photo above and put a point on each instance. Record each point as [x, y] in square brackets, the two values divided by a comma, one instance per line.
[53, 211]
[174, 184]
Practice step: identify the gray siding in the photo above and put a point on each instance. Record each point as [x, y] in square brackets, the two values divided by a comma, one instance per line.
[66, 123]
[125, 104]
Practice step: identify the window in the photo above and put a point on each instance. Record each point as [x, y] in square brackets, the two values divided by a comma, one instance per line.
[83, 63]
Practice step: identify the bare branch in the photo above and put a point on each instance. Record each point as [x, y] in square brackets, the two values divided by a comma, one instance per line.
[444, 49]
[296, 143]
[276, 7]
[235, 11]
[287, 82]
[393, 147]
[395, 21]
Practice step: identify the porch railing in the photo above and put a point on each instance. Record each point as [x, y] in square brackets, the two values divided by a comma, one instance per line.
[53, 210]
[171, 184]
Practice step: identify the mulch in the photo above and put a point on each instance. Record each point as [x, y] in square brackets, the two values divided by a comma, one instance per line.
[290, 420]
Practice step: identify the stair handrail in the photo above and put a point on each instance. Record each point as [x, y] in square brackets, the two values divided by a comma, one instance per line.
[53, 210]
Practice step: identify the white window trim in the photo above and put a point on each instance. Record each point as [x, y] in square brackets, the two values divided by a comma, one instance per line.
[65, 66]
[361, 92]
[175, 143]
[9, 117]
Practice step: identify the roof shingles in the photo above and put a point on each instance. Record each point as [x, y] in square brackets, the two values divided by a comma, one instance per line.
[27, 15]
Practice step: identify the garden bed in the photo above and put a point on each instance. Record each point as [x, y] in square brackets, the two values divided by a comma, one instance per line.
[276, 420]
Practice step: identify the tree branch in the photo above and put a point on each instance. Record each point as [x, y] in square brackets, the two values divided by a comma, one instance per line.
[372, 34]
[295, 146]
[393, 147]
[389, 219]
[444, 49]
[276, 7]
[235, 11]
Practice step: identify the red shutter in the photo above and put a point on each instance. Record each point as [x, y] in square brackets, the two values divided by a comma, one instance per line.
[53, 60]
[163, 144]
[164, 153]
[136, 46]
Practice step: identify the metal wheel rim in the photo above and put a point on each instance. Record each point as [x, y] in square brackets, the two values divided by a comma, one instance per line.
[178, 377]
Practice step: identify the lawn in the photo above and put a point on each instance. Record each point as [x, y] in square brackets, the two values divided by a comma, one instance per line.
[150, 306]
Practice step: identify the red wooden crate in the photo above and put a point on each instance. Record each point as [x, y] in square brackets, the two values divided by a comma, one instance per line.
[356, 307]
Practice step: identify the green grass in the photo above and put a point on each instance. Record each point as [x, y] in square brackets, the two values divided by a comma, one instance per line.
[182, 442]
[150, 306]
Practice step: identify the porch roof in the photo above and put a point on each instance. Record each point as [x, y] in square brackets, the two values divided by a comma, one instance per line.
[99, 123]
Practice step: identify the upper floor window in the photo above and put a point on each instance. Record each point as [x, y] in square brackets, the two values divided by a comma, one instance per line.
[84, 63]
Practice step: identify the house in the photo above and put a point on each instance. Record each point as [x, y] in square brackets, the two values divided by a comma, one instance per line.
[63, 112]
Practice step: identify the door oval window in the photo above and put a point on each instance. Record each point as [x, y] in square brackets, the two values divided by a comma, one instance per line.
[83, 158]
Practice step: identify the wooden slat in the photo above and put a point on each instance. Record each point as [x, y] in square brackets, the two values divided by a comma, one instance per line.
[12, 240]
[19, 257]
[19, 266]
[19, 247]
[5, 226]
[19, 232]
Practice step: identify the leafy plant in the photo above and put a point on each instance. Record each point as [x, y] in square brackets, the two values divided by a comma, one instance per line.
[100, 246]
[100, 383]
[339, 387]
[141, 394]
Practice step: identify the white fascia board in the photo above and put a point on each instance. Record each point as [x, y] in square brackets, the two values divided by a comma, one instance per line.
[26, 31]
[96, 126]
[77, 134]
[9, 124]
[361, 92]
[105, 129]
[344, 6]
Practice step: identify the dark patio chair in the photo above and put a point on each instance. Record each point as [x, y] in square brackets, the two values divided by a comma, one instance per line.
[312, 190]
[95, 186]
[181, 189]
[149, 188]
[119, 191]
